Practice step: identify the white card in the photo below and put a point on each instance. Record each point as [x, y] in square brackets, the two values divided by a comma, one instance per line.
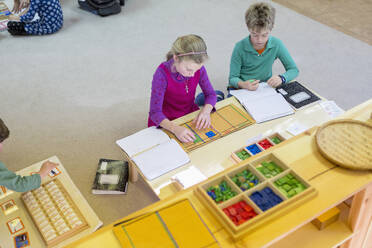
[103, 165]
[297, 128]
[108, 179]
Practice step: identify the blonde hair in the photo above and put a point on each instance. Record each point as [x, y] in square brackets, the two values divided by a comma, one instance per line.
[189, 47]
[260, 16]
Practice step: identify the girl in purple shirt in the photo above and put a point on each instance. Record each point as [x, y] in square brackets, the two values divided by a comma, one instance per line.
[174, 86]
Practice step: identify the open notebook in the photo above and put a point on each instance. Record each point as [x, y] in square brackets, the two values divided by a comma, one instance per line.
[153, 152]
[263, 104]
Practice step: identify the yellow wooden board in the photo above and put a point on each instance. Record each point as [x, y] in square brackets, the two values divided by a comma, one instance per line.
[163, 229]
[184, 213]
[144, 232]
[224, 121]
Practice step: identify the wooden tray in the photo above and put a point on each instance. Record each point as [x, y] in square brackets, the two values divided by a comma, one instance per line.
[347, 143]
[237, 231]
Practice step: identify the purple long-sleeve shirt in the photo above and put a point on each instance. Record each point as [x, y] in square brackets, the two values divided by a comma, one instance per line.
[159, 86]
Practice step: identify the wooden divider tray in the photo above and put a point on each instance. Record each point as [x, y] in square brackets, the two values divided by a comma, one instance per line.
[254, 193]
[257, 147]
[224, 121]
[54, 213]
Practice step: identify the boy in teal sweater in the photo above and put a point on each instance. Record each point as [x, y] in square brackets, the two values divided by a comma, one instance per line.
[253, 57]
[18, 183]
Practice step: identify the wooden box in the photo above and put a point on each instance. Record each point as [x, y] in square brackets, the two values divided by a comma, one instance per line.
[263, 216]
[245, 153]
[50, 212]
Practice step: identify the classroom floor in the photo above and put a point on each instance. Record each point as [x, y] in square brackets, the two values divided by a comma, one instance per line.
[353, 18]
[74, 93]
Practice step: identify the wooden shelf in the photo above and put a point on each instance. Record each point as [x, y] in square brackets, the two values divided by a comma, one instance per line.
[310, 236]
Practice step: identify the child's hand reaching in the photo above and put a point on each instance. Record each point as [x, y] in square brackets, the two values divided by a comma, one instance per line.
[274, 81]
[185, 135]
[250, 84]
[203, 120]
[46, 167]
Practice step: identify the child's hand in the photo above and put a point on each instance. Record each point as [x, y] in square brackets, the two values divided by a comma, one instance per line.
[46, 167]
[249, 84]
[16, 5]
[274, 81]
[19, 5]
[203, 120]
[14, 18]
[184, 134]
[24, 4]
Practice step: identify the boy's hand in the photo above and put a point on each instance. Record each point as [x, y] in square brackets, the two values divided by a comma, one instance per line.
[250, 84]
[274, 81]
[184, 134]
[14, 18]
[46, 167]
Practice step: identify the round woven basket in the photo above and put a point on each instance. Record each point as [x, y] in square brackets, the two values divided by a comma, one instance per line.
[347, 143]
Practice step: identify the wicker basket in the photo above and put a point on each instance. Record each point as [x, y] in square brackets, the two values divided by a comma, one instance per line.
[347, 143]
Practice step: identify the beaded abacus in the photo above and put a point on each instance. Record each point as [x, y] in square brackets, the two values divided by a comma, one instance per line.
[54, 213]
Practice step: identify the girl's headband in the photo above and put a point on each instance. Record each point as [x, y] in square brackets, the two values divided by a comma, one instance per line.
[191, 53]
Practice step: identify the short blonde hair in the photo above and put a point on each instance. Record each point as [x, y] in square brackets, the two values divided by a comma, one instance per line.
[192, 44]
[260, 16]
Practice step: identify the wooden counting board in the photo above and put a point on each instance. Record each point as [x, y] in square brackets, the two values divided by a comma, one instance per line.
[223, 122]
[254, 193]
[53, 212]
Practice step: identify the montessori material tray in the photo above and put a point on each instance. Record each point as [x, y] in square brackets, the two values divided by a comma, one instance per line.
[254, 193]
[54, 213]
[347, 143]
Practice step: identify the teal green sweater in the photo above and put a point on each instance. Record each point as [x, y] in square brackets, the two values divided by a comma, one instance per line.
[18, 183]
[247, 64]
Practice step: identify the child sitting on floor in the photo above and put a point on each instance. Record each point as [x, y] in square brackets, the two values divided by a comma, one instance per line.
[50, 17]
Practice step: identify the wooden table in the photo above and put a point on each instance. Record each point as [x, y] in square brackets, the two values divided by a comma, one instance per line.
[215, 156]
[6, 239]
[334, 185]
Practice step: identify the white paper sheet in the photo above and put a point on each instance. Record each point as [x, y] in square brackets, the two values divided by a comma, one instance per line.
[268, 108]
[161, 159]
[296, 128]
[189, 177]
[331, 108]
[263, 90]
[142, 140]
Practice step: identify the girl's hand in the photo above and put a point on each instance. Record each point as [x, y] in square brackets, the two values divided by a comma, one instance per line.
[249, 84]
[185, 135]
[14, 18]
[203, 120]
[274, 81]
[24, 4]
[16, 6]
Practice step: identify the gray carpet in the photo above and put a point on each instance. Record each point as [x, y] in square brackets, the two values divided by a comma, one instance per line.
[73, 93]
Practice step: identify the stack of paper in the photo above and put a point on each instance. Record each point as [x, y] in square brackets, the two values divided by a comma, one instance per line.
[153, 152]
[263, 104]
[189, 177]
